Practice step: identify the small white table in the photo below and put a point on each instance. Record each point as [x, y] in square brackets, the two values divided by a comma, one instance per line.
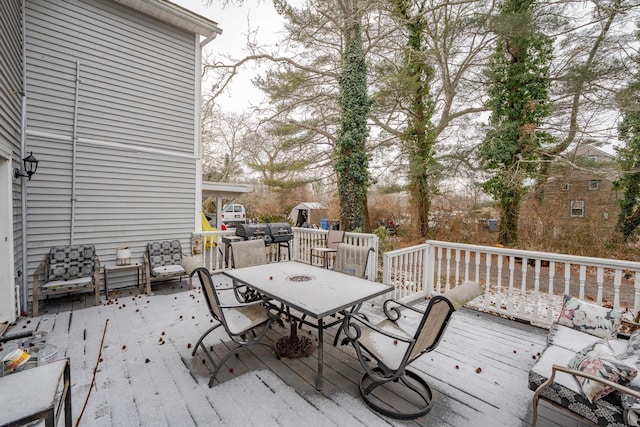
[314, 291]
[32, 395]
[112, 266]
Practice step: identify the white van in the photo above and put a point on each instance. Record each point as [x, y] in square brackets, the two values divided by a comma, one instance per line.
[233, 214]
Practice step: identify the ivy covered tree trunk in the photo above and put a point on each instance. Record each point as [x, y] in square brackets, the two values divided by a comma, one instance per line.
[518, 99]
[629, 157]
[419, 137]
[352, 163]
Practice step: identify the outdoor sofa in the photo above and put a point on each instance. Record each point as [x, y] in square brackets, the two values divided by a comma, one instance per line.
[588, 367]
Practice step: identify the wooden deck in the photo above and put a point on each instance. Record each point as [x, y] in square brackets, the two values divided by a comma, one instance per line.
[147, 377]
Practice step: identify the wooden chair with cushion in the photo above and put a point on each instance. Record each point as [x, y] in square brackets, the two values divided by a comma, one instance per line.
[164, 260]
[67, 269]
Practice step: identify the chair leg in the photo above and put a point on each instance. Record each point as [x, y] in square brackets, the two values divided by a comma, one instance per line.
[231, 353]
[207, 332]
[418, 388]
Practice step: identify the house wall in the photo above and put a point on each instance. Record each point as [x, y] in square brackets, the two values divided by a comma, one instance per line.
[10, 108]
[135, 152]
[600, 204]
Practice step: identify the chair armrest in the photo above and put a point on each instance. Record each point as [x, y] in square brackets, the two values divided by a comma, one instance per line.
[393, 313]
[41, 268]
[353, 330]
[558, 368]
[249, 304]
[629, 326]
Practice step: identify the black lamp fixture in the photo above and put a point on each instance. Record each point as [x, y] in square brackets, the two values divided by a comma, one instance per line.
[30, 167]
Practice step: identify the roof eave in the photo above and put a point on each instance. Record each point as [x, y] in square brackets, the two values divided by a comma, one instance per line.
[176, 15]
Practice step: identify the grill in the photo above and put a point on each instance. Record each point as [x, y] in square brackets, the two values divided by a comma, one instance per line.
[276, 233]
[280, 232]
[254, 231]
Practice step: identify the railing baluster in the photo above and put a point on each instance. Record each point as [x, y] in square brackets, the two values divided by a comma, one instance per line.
[600, 281]
[583, 279]
[617, 282]
[512, 272]
[523, 287]
[536, 287]
[487, 280]
[552, 274]
[499, 283]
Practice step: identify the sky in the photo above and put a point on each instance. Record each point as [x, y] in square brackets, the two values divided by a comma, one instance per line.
[235, 23]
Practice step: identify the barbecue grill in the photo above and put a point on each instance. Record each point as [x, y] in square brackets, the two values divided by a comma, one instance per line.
[254, 231]
[278, 233]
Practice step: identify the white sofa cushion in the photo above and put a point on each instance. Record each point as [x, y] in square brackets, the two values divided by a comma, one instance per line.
[80, 282]
[168, 270]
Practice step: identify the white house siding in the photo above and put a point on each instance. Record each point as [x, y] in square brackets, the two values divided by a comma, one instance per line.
[135, 164]
[10, 112]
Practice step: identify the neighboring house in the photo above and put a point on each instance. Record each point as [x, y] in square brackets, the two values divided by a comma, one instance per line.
[106, 94]
[582, 190]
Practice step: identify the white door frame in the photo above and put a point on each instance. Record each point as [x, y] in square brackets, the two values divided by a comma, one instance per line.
[8, 297]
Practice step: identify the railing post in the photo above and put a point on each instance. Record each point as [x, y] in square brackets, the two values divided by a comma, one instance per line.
[429, 268]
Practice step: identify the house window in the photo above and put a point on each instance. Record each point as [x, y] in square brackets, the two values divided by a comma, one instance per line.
[577, 208]
[594, 158]
[594, 184]
[566, 186]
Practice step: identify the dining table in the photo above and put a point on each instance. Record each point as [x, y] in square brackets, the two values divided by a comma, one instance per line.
[313, 291]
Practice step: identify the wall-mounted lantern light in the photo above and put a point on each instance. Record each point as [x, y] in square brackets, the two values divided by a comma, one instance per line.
[30, 167]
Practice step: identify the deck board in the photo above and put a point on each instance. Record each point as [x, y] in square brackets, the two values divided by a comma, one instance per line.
[150, 383]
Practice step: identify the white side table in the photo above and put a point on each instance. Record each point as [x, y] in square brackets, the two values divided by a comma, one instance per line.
[111, 266]
[32, 394]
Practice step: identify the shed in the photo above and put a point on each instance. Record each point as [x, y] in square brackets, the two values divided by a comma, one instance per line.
[309, 212]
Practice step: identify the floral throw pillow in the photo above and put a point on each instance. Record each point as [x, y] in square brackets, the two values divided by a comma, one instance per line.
[633, 348]
[598, 359]
[590, 318]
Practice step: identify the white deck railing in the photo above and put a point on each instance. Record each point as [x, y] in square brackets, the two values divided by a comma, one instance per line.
[215, 253]
[306, 238]
[519, 284]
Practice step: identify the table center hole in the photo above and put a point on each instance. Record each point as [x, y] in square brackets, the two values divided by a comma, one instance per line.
[300, 278]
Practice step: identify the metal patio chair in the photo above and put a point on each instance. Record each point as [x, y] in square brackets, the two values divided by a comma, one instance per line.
[246, 324]
[352, 260]
[247, 253]
[333, 238]
[387, 348]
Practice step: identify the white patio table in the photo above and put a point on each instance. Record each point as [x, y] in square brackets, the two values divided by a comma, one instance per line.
[314, 291]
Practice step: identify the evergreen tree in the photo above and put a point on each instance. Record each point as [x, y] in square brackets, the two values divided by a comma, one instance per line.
[419, 138]
[518, 99]
[352, 159]
[629, 156]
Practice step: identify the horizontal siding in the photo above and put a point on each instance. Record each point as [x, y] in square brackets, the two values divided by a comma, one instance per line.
[133, 70]
[11, 111]
[137, 89]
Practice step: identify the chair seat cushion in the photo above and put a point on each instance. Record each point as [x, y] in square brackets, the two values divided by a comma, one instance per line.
[388, 350]
[168, 270]
[241, 319]
[55, 285]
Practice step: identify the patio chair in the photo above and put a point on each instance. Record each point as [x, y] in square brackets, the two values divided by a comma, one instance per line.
[333, 238]
[246, 324]
[352, 260]
[67, 269]
[386, 350]
[247, 253]
[163, 260]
